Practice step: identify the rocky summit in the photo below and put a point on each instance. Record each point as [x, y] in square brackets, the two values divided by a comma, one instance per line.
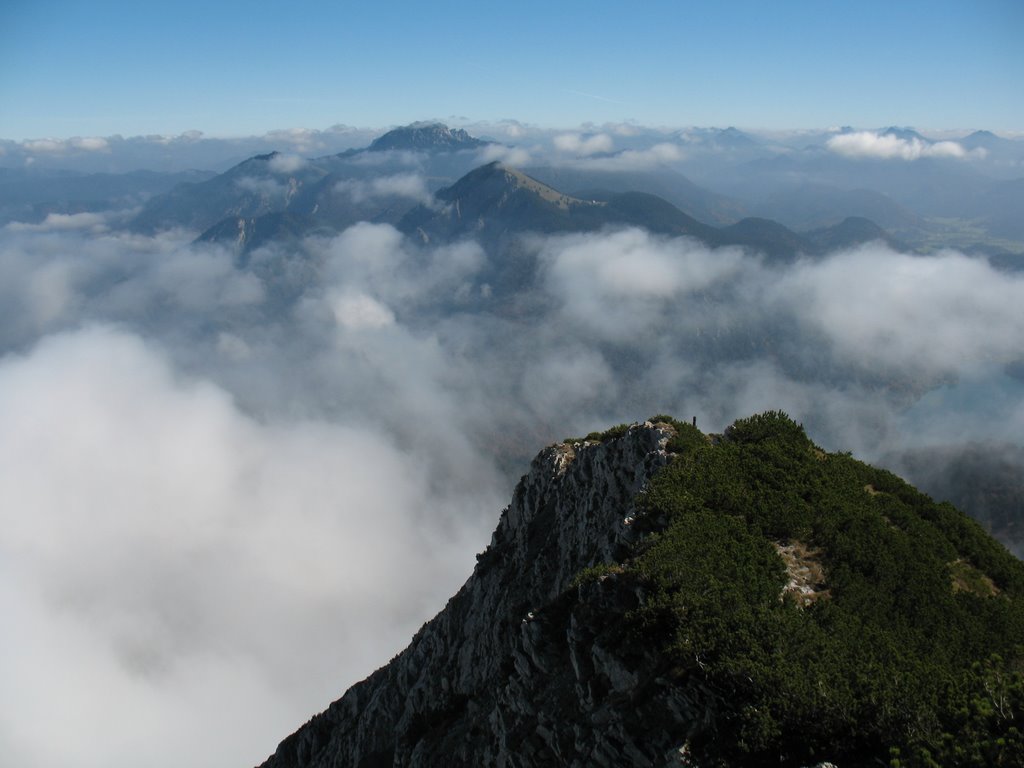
[654, 596]
[425, 136]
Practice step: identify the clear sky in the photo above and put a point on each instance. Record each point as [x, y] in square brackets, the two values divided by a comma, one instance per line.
[98, 68]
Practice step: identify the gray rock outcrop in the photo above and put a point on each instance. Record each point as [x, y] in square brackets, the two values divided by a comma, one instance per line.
[527, 665]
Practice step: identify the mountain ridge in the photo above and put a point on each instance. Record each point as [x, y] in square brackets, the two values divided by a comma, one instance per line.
[275, 196]
[496, 199]
[655, 596]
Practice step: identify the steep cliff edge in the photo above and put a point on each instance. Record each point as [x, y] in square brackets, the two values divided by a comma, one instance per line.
[456, 690]
[658, 597]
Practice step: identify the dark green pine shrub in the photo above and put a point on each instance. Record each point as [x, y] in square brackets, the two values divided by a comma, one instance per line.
[911, 652]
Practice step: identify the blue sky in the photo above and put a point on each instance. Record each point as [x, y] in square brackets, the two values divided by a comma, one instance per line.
[231, 68]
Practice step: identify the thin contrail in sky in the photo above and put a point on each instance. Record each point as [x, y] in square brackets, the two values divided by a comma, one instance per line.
[593, 96]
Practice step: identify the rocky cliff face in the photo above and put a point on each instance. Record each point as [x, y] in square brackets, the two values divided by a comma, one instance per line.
[761, 602]
[523, 667]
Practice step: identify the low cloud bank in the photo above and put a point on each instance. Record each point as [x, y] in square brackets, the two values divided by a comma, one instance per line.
[887, 146]
[177, 152]
[178, 572]
[60, 146]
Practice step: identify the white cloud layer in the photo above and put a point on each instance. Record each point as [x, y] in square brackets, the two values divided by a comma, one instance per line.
[620, 284]
[178, 152]
[169, 561]
[355, 312]
[286, 163]
[577, 144]
[906, 312]
[230, 492]
[889, 146]
[59, 146]
[95, 222]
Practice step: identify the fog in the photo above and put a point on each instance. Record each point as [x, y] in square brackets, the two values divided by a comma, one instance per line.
[230, 492]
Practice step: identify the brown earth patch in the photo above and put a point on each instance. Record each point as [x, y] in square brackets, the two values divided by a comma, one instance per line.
[806, 573]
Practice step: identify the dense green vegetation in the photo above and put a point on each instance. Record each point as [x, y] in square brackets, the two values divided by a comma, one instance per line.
[609, 434]
[910, 651]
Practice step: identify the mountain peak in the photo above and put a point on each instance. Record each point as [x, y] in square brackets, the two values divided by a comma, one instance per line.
[984, 140]
[496, 175]
[655, 596]
[426, 136]
[492, 201]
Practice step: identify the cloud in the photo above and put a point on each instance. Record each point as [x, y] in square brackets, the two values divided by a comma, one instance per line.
[580, 145]
[516, 157]
[512, 130]
[389, 157]
[624, 129]
[633, 159]
[165, 528]
[286, 164]
[308, 140]
[327, 435]
[359, 311]
[408, 185]
[846, 343]
[264, 187]
[909, 313]
[95, 222]
[90, 144]
[621, 282]
[567, 373]
[188, 137]
[889, 146]
[45, 145]
[180, 152]
[59, 146]
[55, 278]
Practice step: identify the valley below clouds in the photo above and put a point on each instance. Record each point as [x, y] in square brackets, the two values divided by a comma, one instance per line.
[231, 489]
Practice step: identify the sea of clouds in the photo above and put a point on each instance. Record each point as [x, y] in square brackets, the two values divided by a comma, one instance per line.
[229, 492]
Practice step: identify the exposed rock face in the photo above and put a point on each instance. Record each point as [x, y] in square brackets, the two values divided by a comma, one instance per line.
[522, 668]
[761, 602]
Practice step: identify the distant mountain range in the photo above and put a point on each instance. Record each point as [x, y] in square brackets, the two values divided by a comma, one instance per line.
[371, 184]
[494, 201]
[278, 197]
[740, 189]
[494, 204]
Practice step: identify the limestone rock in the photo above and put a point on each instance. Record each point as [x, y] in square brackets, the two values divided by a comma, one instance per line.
[523, 668]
